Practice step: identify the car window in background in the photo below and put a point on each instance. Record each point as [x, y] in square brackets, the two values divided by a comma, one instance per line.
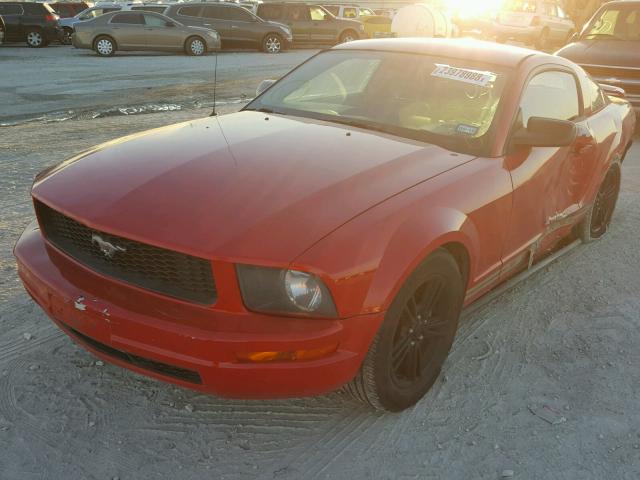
[270, 12]
[129, 18]
[415, 96]
[549, 9]
[148, 8]
[550, 95]
[298, 13]
[561, 12]
[349, 12]
[520, 6]
[237, 14]
[317, 13]
[366, 11]
[11, 9]
[335, 10]
[154, 21]
[192, 11]
[615, 24]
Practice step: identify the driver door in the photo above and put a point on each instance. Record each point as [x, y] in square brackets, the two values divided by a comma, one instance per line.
[159, 35]
[544, 199]
[322, 28]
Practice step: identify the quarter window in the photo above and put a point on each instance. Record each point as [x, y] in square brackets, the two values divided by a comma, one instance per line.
[129, 18]
[551, 94]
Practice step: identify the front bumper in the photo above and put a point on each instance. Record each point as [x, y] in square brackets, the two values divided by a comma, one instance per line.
[186, 344]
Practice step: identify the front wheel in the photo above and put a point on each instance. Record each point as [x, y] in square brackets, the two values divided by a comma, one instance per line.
[272, 43]
[407, 354]
[35, 39]
[66, 36]
[105, 46]
[195, 47]
[596, 223]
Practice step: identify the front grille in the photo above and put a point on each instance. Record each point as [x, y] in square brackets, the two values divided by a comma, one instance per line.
[151, 365]
[163, 271]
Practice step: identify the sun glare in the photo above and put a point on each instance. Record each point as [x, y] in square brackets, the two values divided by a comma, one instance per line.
[473, 8]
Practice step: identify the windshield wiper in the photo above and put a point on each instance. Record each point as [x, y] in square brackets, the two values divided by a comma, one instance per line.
[263, 110]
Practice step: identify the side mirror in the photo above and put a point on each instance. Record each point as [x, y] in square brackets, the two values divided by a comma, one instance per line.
[545, 132]
[264, 85]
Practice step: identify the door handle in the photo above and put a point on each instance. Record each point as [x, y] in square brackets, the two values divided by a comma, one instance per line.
[234, 26]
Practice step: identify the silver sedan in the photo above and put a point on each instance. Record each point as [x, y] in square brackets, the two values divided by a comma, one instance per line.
[142, 31]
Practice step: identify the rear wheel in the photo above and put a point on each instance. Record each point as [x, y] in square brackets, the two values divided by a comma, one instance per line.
[414, 340]
[195, 47]
[348, 36]
[35, 39]
[272, 43]
[105, 46]
[596, 222]
[66, 36]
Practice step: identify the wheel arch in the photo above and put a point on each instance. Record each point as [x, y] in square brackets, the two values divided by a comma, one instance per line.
[100, 35]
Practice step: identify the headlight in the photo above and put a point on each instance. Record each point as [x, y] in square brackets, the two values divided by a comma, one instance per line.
[275, 290]
[213, 34]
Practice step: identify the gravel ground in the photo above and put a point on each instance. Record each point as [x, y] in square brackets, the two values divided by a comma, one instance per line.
[564, 341]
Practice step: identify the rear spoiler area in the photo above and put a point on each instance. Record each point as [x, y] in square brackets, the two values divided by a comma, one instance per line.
[613, 91]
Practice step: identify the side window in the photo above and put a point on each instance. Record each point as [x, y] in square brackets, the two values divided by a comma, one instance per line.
[551, 94]
[350, 12]
[214, 11]
[561, 13]
[317, 13]
[11, 9]
[129, 18]
[270, 12]
[192, 11]
[334, 9]
[237, 14]
[549, 9]
[298, 13]
[154, 21]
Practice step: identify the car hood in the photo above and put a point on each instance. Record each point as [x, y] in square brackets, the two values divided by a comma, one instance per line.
[246, 186]
[602, 52]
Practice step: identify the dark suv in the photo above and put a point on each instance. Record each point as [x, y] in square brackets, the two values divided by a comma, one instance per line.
[34, 23]
[235, 25]
[312, 23]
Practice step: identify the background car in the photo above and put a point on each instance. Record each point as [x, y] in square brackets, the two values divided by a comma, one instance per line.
[533, 22]
[69, 9]
[311, 23]
[236, 25]
[609, 47]
[92, 12]
[34, 23]
[375, 26]
[2, 28]
[142, 31]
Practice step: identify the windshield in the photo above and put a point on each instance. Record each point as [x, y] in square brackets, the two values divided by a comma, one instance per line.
[432, 99]
[616, 23]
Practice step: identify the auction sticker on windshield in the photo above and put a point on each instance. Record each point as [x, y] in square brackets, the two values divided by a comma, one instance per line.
[475, 77]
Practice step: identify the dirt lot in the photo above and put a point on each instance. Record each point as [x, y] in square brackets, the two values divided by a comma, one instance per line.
[566, 338]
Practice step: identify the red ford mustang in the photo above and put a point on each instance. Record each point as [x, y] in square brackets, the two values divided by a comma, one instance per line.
[332, 231]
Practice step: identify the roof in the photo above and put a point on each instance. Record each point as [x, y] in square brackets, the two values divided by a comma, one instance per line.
[489, 52]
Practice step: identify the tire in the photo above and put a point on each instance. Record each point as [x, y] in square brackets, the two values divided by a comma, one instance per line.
[348, 36]
[105, 46]
[543, 40]
[195, 46]
[66, 36]
[421, 345]
[272, 43]
[35, 38]
[596, 222]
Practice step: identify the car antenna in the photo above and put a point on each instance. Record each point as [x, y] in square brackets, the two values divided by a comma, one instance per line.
[215, 83]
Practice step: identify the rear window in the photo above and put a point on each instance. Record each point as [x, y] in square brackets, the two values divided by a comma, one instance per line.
[37, 9]
[270, 12]
[128, 18]
[193, 11]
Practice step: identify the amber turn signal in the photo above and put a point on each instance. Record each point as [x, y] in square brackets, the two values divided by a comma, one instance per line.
[309, 354]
